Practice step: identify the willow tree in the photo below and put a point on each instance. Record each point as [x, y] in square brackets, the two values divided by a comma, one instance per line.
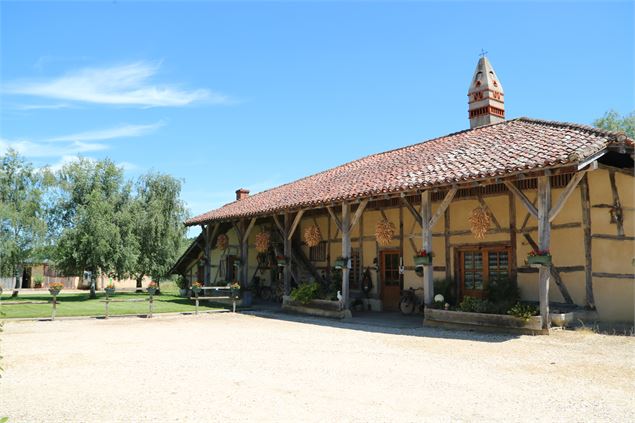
[158, 225]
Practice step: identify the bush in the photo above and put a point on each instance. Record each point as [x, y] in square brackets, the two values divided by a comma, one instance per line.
[445, 287]
[37, 281]
[503, 290]
[523, 311]
[182, 282]
[476, 305]
[306, 292]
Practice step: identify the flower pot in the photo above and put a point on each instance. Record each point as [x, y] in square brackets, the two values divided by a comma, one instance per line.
[539, 260]
[341, 263]
[54, 292]
[423, 260]
[151, 290]
[110, 291]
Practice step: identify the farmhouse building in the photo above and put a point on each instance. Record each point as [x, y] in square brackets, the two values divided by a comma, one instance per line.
[480, 200]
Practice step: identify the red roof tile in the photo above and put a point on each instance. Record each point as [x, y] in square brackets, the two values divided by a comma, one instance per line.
[494, 150]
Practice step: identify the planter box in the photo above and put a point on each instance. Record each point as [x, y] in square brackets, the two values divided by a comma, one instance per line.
[54, 292]
[109, 291]
[466, 320]
[196, 291]
[151, 291]
[537, 261]
[341, 263]
[320, 308]
[423, 260]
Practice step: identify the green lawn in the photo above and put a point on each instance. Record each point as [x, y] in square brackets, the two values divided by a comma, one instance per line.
[80, 305]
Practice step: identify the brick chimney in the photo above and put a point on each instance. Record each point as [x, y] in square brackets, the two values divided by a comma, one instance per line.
[241, 194]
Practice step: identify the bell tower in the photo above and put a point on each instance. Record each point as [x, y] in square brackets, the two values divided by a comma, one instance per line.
[486, 97]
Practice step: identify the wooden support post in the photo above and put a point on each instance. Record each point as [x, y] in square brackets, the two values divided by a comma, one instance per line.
[107, 308]
[346, 251]
[196, 305]
[617, 205]
[544, 241]
[513, 260]
[586, 227]
[287, 254]
[151, 304]
[446, 242]
[426, 234]
[244, 252]
[54, 311]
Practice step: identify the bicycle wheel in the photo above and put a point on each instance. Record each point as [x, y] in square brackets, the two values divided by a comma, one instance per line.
[407, 306]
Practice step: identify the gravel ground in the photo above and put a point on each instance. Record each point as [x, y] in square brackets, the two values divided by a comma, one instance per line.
[236, 367]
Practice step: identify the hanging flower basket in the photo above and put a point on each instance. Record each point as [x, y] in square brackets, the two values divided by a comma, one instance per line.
[423, 260]
[281, 260]
[539, 258]
[341, 263]
[55, 288]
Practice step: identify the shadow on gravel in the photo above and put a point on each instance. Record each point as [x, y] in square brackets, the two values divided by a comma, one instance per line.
[385, 323]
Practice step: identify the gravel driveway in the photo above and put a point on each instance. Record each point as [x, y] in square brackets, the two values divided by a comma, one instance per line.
[236, 367]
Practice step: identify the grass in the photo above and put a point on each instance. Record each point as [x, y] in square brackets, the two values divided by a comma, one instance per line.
[79, 304]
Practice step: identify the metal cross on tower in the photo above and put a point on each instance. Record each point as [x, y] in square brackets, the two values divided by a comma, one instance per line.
[483, 53]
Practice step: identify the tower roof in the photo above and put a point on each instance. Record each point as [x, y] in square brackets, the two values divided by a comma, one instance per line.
[485, 78]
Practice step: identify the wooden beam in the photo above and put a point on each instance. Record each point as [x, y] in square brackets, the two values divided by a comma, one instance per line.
[446, 243]
[412, 210]
[586, 230]
[296, 222]
[287, 271]
[528, 215]
[555, 273]
[613, 237]
[278, 225]
[426, 234]
[337, 221]
[346, 251]
[544, 241]
[512, 235]
[444, 204]
[252, 222]
[358, 213]
[488, 211]
[564, 196]
[614, 275]
[522, 197]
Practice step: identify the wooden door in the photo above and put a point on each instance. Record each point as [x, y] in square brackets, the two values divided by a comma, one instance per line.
[390, 279]
[479, 264]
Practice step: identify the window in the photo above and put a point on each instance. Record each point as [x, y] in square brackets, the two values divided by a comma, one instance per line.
[479, 264]
[318, 253]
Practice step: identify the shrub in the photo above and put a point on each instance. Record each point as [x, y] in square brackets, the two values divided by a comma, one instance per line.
[306, 292]
[181, 282]
[502, 290]
[476, 305]
[37, 281]
[523, 311]
[445, 287]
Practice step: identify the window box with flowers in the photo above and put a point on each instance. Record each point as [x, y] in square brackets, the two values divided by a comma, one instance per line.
[423, 258]
[197, 287]
[539, 258]
[341, 263]
[55, 288]
[152, 288]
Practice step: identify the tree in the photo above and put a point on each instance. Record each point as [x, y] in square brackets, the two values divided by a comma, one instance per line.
[158, 215]
[611, 121]
[94, 212]
[22, 222]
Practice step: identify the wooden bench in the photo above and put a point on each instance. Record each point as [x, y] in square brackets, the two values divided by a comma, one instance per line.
[109, 300]
[197, 298]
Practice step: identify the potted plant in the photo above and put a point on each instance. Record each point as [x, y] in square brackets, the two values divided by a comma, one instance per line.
[152, 288]
[423, 258]
[182, 283]
[110, 289]
[341, 263]
[539, 258]
[55, 288]
[234, 290]
[197, 287]
[37, 281]
[281, 260]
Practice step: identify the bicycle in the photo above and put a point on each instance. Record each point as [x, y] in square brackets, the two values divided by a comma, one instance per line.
[262, 291]
[409, 301]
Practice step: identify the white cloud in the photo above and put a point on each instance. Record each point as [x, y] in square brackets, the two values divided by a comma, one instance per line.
[43, 106]
[122, 131]
[117, 85]
[29, 148]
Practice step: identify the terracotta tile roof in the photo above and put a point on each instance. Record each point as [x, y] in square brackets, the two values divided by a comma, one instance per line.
[500, 149]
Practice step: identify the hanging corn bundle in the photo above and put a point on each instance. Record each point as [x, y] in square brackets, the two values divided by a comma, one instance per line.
[262, 242]
[222, 241]
[384, 232]
[479, 222]
[312, 236]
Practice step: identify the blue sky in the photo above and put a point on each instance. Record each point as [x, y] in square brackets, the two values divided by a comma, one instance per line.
[255, 94]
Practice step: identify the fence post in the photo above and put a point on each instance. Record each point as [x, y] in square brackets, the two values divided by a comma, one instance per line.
[54, 307]
[151, 301]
